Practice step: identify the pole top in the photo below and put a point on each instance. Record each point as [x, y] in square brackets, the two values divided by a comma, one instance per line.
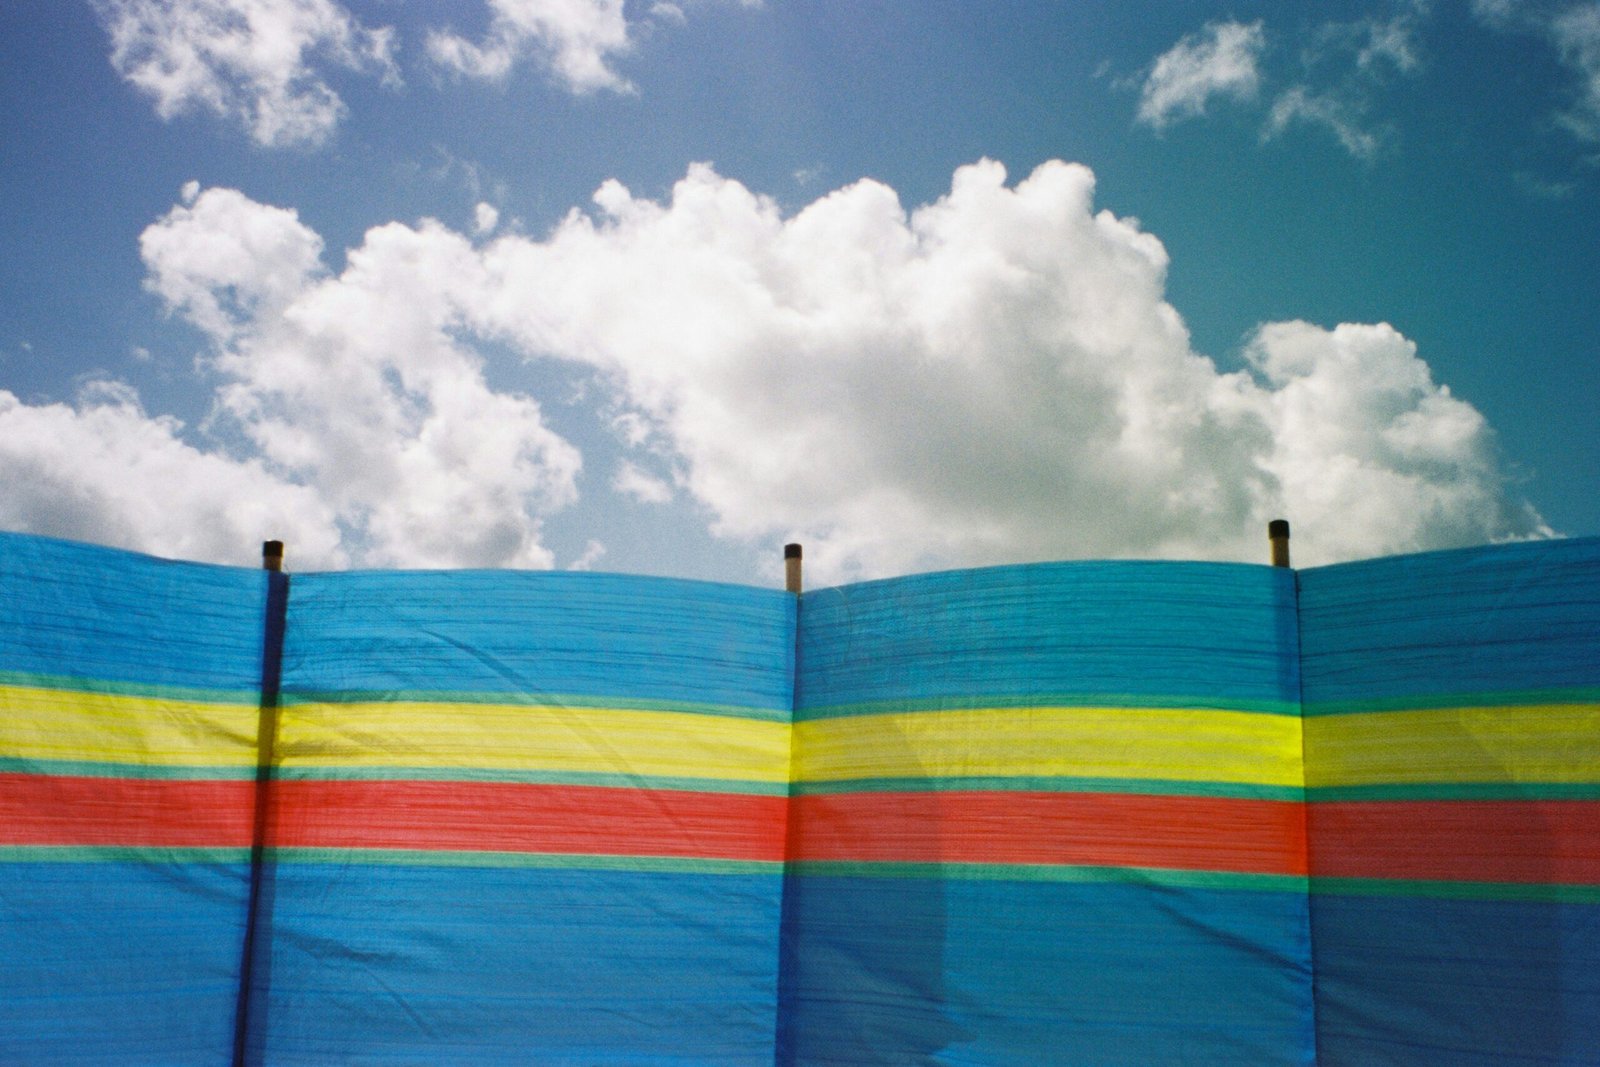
[272, 555]
[791, 567]
[1278, 537]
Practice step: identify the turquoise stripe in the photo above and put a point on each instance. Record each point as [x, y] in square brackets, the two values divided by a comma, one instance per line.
[70, 684]
[143, 854]
[531, 700]
[1029, 872]
[962, 702]
[523, 860]
[1548, 893]
[1458, 791]
[88, 769]
[1429, 701]
[531, 777]
[1023, 784]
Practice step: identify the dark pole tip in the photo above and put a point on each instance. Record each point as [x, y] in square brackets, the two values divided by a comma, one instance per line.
[1278, 528]
[791, 551]
[272, 555]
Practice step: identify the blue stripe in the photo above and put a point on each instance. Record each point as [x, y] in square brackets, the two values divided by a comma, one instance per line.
[1456, 982]
[1130, 632]
[880, 970]
[119, 963]
[1462, 624]
[98, 613]
[379, 963]
[539, 634]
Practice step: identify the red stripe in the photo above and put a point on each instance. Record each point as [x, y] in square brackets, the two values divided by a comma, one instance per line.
[51, 810]
[1555, 841]
[1093, 829]
[521, 817]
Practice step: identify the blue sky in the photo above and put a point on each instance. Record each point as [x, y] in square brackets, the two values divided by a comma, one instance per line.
[657, 287]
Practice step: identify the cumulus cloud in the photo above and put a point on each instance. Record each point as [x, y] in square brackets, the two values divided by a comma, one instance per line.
[576, 39]
[995, 376]
[485, 217]
[356, 386]
[255, 62]
[102, 470]
[1220, 60]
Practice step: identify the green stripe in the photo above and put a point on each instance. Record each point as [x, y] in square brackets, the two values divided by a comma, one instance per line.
[1029, 872]
[290, 698]
[69, 684]
[1510, 891]
[85, 769]
[1431, 701]
[121, 854]
[89, 769]
[394, 857]
[1457, 791]
[1024, 784]
[523, 860]
[964, 702]
[533, 777]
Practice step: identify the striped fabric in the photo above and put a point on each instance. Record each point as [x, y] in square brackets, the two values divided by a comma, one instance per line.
[1059, 813]
[542, 817]
[1049, 814]
[129, 701]
[1452, 723]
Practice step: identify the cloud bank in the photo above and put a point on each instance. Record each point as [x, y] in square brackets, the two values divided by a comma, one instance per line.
[993, 377]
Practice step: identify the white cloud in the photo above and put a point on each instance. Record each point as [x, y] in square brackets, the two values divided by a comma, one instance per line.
[633, 481]
[485, 217]
[1299, 105]
[993, 377]
[1368, 449]
[1219, 61]
[1573, 29]
[356, 385]
[102, 470]
[251, 61]
[576, 39]
[1577, 36]
[593, 552]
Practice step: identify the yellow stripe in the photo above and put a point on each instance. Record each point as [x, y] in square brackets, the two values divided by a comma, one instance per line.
[59, 724]
[1148, 743]
[526, 738]
[1543, 743]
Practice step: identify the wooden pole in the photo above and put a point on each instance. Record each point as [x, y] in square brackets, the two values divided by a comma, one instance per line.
[272, 555]
[791, 568]
[1278, 535]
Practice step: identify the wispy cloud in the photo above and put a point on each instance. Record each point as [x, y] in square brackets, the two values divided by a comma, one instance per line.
[254, 62]
[1220, 60]
[1577, 38]
[1298, 105]
[1343, 66]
